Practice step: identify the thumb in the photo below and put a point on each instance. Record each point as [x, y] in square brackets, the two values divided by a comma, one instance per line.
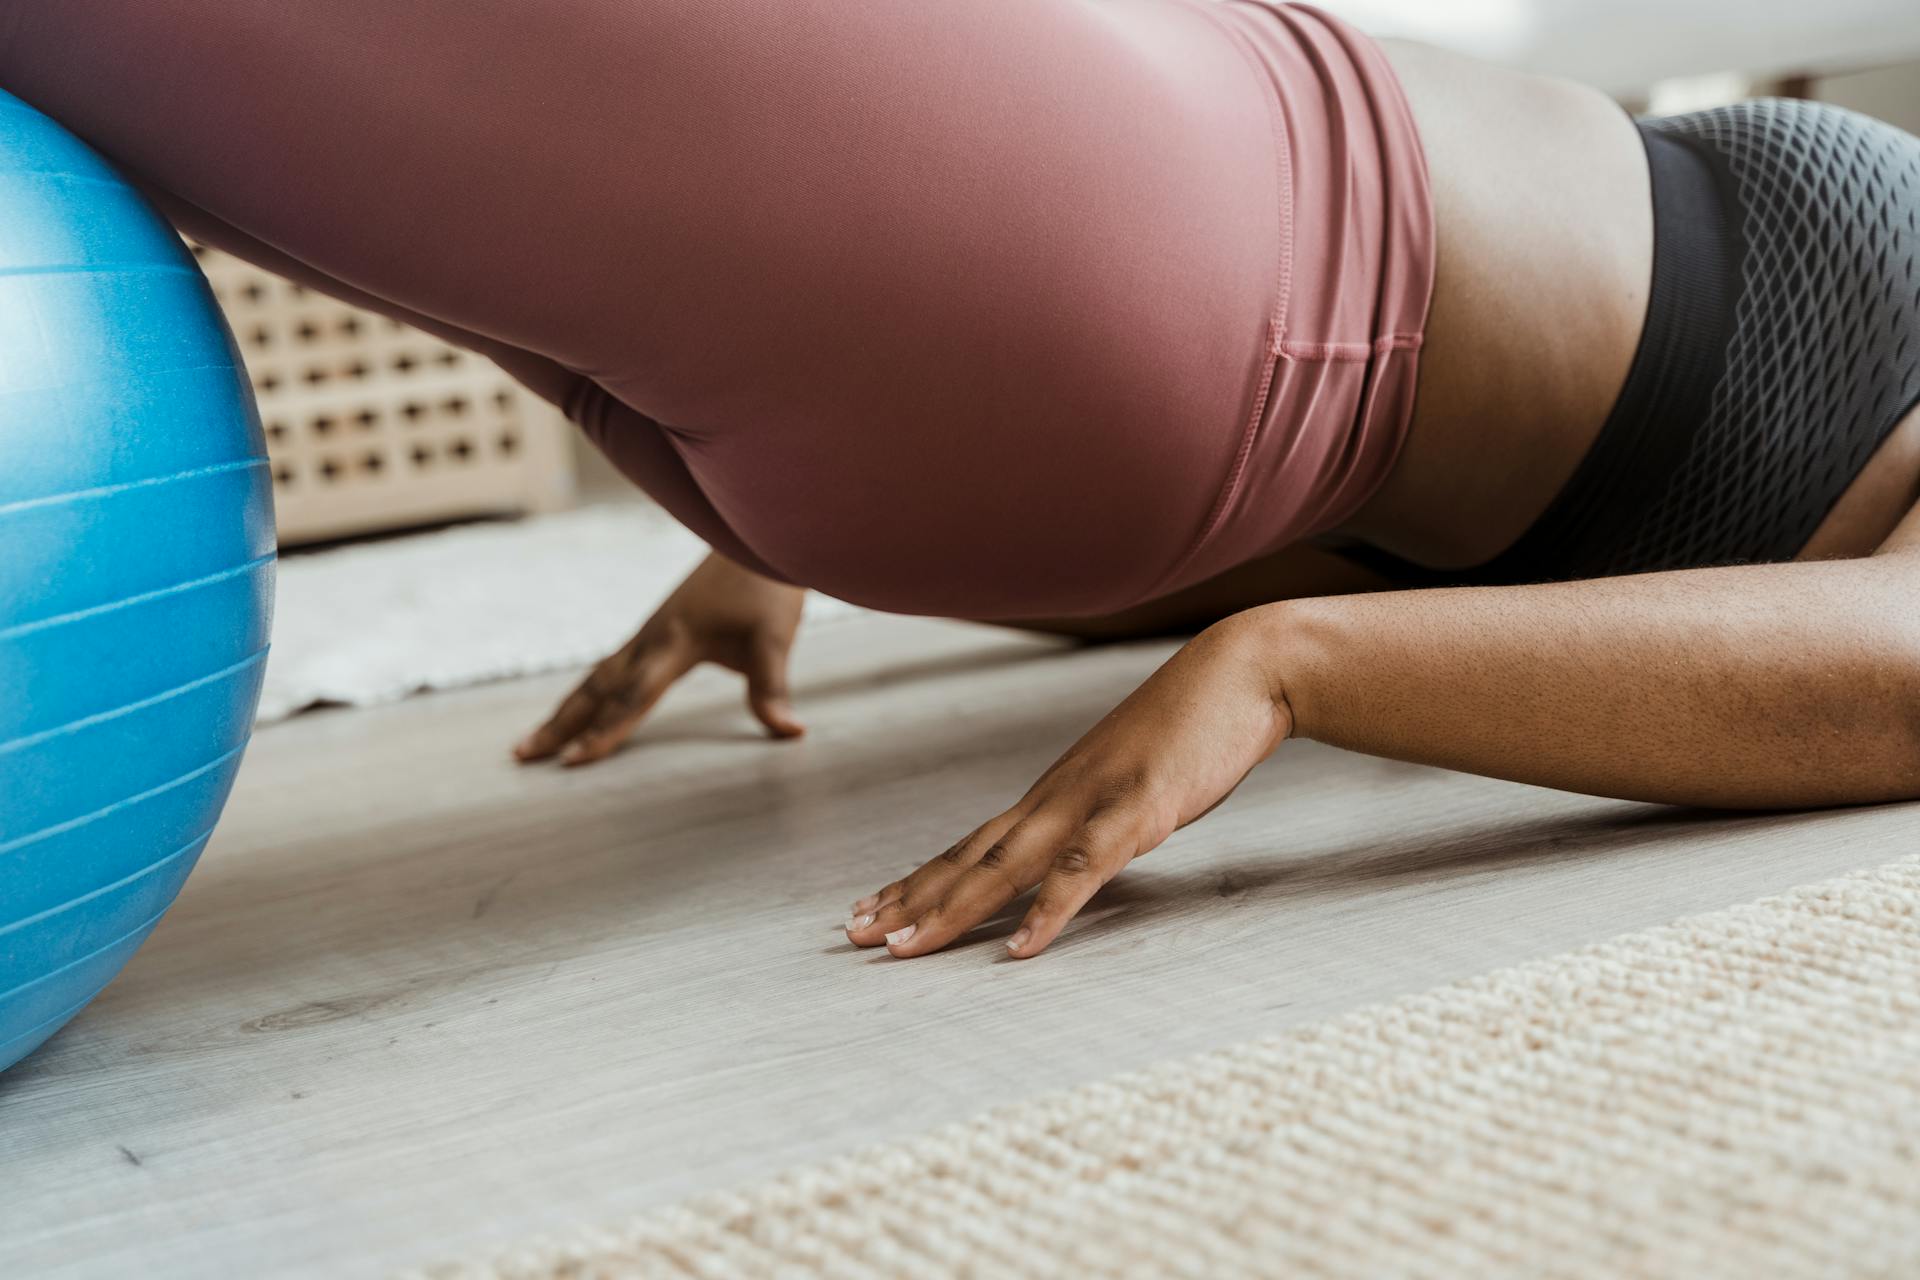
[767, 691]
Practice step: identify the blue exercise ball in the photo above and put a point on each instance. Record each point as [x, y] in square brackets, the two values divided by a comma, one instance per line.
[136, 572]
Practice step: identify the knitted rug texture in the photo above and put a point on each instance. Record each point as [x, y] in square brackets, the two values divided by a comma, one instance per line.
[1734, 1095]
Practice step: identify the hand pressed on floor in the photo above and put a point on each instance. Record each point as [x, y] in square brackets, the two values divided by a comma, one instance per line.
[1167, 755]
[722, 614]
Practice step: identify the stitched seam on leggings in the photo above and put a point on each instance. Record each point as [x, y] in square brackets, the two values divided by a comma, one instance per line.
[1282, 292]
[1352, 352]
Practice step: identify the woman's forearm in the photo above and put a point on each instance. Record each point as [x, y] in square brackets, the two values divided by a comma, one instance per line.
[1752, 686]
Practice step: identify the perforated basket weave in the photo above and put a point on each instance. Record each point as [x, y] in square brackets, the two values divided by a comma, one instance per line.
[374, 425]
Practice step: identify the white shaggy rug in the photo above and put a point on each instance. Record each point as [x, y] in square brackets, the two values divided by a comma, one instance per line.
[1736, 1095]
[377, 622]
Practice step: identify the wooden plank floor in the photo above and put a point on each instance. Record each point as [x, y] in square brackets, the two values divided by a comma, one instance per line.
[417, 1003]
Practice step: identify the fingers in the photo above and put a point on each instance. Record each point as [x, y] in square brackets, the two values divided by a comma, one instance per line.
[966, 885]
[621, 711]
[602, 712]
[1004, 871]
[865, 912]
[1080, 867]
[1070, 859]
[901, 902]
[574, 714]
[767, 694]
[597, 718]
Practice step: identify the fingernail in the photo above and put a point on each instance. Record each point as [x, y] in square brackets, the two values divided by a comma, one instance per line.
[1019, 939]
[856, 923]
[867, 903]
[899, 936]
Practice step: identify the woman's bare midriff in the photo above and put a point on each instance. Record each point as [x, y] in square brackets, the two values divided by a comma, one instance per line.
[1545, 228]
[1545, 233]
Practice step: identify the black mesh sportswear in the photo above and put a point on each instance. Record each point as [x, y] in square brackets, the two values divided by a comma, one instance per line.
[1781, 346]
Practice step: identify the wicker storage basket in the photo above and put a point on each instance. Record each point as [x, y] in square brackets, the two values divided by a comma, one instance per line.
[374, 425]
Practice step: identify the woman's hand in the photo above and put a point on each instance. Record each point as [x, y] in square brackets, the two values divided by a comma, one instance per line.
[722, 613]
[1173, 750]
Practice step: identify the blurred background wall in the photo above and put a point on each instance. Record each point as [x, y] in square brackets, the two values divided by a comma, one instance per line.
[1891, 93]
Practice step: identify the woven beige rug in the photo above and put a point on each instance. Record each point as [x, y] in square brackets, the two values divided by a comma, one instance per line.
[1734, 1095]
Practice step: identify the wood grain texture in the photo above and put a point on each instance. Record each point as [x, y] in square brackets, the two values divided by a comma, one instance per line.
[418, 1003]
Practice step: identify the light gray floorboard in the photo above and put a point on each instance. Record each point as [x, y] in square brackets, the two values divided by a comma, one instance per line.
[417, 1003]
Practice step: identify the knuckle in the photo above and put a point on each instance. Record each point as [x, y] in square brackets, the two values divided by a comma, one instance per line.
[673, 629]
[623, 702]
[1073, 860]
[996, 856]
[603, 680]
[955, 855]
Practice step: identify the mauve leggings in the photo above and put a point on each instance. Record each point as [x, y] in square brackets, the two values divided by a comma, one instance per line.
[979, 307]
